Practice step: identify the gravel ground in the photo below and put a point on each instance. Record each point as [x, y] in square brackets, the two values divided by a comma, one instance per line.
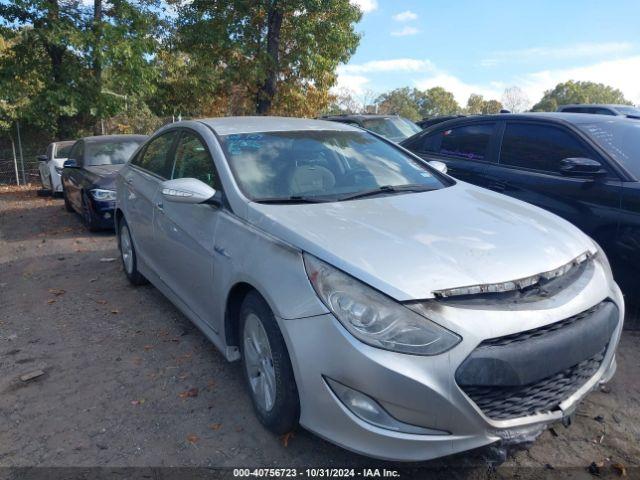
[129, 382]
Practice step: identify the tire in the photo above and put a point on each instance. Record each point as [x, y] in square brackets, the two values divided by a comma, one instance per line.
[281, 414]
[88, 218]
[130, 263]
[67, 204]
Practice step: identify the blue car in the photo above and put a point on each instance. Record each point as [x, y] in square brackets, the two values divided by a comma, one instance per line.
[88, 176]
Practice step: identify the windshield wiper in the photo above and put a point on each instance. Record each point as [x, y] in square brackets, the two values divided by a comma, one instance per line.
[291, 199]
[389, 189]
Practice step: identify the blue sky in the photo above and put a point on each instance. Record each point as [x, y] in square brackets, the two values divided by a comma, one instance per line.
[486, 46]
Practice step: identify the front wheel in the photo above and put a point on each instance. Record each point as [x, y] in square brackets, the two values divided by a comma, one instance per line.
[67, 203]
[267, 367]
[88, 217]
[128, 255]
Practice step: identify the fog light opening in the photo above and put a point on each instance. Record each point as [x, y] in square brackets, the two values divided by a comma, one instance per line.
[369, 410]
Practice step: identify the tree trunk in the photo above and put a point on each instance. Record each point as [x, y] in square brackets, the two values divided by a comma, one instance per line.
[56, 57]
[97, 64]
[267, 89]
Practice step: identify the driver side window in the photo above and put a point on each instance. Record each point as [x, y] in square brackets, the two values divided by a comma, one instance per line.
[192, 160]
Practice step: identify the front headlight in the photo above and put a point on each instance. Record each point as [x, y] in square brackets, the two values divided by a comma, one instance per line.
[101, 194]
[602, 259]
[374, 318]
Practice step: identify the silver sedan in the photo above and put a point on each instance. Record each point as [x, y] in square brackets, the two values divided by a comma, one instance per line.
[372, 299]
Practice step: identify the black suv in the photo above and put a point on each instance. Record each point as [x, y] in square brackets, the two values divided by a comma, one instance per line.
[583, 167]
[391, 127]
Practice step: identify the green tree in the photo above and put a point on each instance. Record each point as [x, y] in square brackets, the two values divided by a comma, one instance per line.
[491, 106]
[438, 101]
[477, 105]
[579, 92]
[402, 101]
[77, 63]
[278, 56]
[40, 66]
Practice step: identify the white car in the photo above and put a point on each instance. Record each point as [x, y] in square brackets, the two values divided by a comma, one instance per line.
[50, 165]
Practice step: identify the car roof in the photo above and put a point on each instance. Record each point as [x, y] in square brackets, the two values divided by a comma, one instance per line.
[114, 138]
[358, 116]
[591, 105]
[560, 117]
[235, 125]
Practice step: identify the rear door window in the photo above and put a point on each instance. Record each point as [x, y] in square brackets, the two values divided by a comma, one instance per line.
[471, 142]
[539, 147]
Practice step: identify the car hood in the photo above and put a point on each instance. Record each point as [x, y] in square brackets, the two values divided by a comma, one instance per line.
[104, 176]
[410, 245]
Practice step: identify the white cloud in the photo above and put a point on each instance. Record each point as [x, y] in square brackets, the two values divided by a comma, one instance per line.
[460, 89]
[366, 6]
[392, 65]
[406, 31]
[620, 73]
[355, 84]
[581, 50]
[405, 16]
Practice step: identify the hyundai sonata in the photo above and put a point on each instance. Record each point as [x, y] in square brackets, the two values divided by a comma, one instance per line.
[372, 299]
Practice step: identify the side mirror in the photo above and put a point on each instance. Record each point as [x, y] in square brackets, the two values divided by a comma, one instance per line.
[43, 158]
[188, 190]
[581, 167]
[71, 163]
[440, 166]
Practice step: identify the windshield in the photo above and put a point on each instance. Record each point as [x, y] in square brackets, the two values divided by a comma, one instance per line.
[321, 165]
[62, 151]
[621, 139]
[393, 128]
[629, 111]
[110, 153]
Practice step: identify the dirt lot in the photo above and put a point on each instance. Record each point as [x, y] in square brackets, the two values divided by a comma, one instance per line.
[128, 381]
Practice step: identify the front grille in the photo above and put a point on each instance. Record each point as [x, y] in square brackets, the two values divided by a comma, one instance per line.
[539, 332]
[502, 403]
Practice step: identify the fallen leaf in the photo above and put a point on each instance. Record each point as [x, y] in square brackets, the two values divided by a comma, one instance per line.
[101, 302]
[192, 439]
[215, 426]
[52, 301]
[137, 402]
[115, 312]
[148, 347]
[285, 438]
[193, 392]
[31, 375]
[620, 469]
[108, 259]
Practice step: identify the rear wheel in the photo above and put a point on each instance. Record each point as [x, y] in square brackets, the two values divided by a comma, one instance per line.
[267, 367]
[128, 255]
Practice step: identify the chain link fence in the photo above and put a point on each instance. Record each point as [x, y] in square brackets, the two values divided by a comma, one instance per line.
[19, 153]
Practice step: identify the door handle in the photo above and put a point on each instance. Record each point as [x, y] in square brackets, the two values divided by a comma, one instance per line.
[160, 207]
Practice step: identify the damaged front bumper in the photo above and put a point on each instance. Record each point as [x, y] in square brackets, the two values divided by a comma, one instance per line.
[422, 391]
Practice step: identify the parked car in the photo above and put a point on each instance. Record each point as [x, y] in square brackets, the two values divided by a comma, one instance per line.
[585, 168]
[429, 122]
[88, 176]
[602, 109]
[381, 304]
[50, 166]
[393, 127]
